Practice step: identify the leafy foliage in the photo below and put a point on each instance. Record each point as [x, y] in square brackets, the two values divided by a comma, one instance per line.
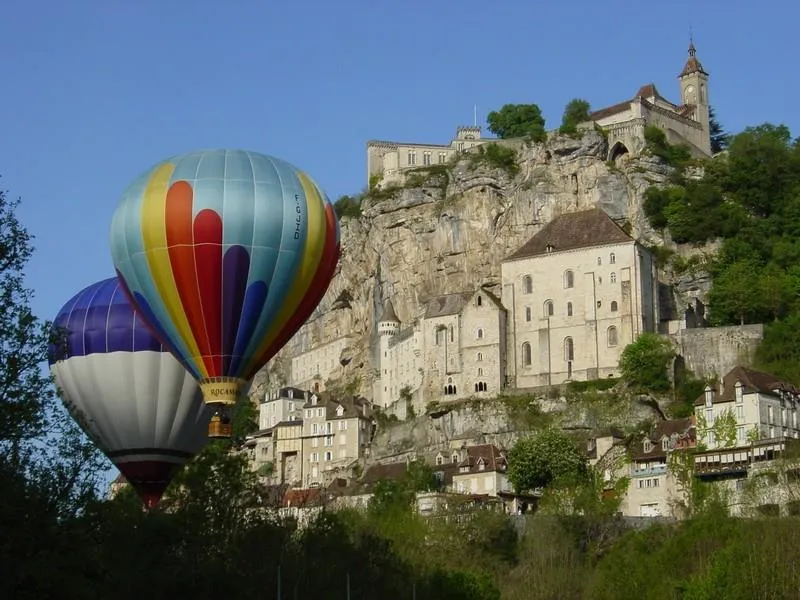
[656, 140]
[644, 363]
[348, 206]
[575, 113]
[719, 137]
[496, 156]
[549, 456]
[518, 120]
[750, 198]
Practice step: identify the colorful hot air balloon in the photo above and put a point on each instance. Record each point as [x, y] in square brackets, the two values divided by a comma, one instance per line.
[128, 393]
[226, 253]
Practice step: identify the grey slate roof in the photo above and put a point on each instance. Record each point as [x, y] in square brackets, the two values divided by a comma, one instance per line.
[571, 231]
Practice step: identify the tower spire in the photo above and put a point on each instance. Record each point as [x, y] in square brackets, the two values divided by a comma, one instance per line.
[692, 64]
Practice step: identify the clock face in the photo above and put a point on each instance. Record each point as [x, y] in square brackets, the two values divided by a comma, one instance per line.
[689, 95]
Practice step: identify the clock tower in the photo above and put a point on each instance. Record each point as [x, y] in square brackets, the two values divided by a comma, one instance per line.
[694, 92]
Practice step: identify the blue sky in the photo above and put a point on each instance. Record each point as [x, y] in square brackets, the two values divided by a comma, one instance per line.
[94, 92]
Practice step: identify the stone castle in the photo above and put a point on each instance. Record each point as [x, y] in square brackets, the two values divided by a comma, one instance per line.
[684, 123]
[551, 291]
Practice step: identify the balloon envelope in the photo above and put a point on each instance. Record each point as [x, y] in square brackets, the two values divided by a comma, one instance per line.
[226, 253]
[129, 394]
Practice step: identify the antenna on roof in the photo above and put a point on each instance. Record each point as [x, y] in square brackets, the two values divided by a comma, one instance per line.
[475, 115]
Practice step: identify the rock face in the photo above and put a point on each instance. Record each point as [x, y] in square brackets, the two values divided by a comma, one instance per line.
[448, 229]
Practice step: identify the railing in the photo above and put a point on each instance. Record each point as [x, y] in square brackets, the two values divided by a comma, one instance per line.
[650, 470]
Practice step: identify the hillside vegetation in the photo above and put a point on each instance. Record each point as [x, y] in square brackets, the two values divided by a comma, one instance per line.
[749, 198]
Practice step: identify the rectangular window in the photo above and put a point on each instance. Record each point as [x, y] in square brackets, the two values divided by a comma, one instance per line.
[426, 158]
[412, 158]
[328, 441]
[328, 456]
[442, 158]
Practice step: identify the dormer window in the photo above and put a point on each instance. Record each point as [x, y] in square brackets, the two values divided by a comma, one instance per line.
[481, 465]
[709, 396]
[313, 398]
[665, 444]
[739, 392]
[549, 248]
[339, 410]
[454, 458]
[439, 459]
[647, 446]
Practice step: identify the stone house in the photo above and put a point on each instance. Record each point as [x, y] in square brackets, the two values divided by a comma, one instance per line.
[654, 489]
[577, 293]
[387, 161]
[336, 432]
[481, 470]
[684, 123]
[758, 406]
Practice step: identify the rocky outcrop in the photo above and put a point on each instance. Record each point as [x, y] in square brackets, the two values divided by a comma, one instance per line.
[448, 229]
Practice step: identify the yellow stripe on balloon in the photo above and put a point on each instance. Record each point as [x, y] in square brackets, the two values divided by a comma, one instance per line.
[154, 237]
[312, 254]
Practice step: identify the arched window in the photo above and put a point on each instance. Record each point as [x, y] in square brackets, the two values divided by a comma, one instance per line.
[454, 458]
[569, 350]
[480, 371]
[526, 354]
[599, 261]
[569, 279]
[479, 356]
[452, 335]
[527, 285]
[613, 278]
[613, 306]
[548, 308]
[612, 258]
[479, 334]
[612, 336]
[476, 388]
[569, 309]
[527, 313]
[480, 300]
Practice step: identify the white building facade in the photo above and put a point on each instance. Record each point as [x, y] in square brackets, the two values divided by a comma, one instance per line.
[577, 293]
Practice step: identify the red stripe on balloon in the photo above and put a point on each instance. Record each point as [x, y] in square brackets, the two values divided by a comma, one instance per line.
[208, 264]
[314, 294]
[180, 242]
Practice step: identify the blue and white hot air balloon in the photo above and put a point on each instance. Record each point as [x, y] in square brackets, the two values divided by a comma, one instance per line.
[133, 399]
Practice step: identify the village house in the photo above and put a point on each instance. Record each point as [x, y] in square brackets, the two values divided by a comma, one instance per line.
[746, 422]
[336, 432]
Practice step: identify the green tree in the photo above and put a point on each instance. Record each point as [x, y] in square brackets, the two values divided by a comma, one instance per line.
[348, 206]
[644, 363]
[48, 470]
[734, 298]
[518, 120]
[719, 138]
[538, 461]
[575, 113]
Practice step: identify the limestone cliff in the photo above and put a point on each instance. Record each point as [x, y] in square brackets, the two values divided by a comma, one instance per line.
[448, 228]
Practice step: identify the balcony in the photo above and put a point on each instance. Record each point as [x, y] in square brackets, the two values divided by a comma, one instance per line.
[649, 471]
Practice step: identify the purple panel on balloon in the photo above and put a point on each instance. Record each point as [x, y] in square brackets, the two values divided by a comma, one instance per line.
[99, 319]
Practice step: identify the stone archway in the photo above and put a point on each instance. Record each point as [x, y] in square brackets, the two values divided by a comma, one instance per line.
[618, 150]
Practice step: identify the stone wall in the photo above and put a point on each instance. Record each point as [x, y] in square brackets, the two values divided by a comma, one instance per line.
[713, 351]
